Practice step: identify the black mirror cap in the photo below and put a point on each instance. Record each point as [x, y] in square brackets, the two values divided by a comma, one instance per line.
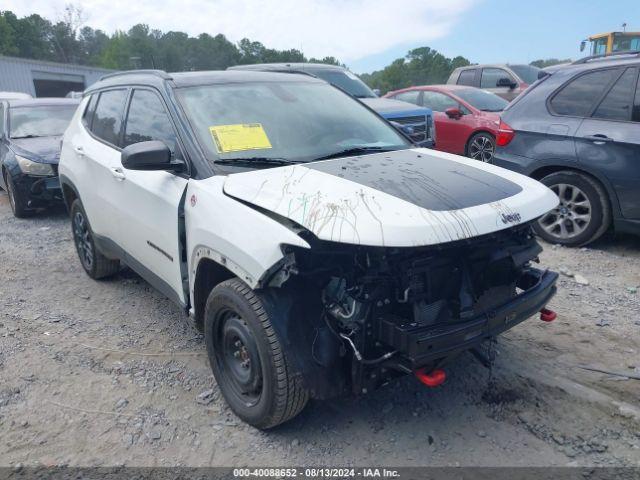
[151, 155]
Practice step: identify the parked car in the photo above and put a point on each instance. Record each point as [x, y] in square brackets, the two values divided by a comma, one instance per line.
[578, 131]
[466, 118]
[417, 123]
[31, 131]
[320, 251]
[506, 81]
[14, 96]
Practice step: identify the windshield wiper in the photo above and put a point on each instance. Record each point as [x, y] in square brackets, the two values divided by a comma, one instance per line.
[355, 151]
[261, 160]
[29, 136]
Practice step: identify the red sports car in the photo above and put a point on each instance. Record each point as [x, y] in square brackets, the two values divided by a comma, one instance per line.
[467, 118]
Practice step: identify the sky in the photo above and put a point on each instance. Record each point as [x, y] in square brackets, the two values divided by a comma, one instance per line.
[369, 34]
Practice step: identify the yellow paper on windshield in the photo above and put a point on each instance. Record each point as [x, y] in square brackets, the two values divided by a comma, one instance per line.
[236, 138]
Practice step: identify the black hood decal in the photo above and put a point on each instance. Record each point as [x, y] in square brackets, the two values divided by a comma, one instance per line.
[425, 180]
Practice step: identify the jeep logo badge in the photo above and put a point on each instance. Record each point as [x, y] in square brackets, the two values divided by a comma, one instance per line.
[510, 217]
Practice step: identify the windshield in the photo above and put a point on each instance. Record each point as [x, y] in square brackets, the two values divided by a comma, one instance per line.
[624, 42]
[528, 73]
[288, 121]
[345, 80]
[482, 100]
[40, 121]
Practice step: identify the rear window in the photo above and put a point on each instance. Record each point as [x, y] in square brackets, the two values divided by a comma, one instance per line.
[616, 105]
[412, 96]
[482, 100]
[528, 73]
[88, 113]
[467, 77]
[107, 118]
[346, 81]
[576, 98]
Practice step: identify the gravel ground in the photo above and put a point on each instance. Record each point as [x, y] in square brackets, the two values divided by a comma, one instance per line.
[111, 373]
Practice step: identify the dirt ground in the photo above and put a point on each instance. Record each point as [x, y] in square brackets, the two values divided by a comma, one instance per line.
[111, 373]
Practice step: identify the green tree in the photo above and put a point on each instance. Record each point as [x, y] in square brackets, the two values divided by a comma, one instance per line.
[7, 37]
[542, 63]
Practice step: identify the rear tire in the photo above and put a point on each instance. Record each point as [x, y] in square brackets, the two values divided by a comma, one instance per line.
[17, 202]
[247, 358]
[93, 261]
[584, 213]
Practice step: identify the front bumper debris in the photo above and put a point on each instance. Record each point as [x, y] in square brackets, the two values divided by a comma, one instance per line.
[420, 345]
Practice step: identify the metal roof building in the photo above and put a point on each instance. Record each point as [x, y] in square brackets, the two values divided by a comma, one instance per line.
[45, 79]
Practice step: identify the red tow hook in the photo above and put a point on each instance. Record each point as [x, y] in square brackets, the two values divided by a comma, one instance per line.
[547, 315]
[432, 378]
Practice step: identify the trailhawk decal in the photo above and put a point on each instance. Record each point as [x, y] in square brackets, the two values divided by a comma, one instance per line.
[339, 200]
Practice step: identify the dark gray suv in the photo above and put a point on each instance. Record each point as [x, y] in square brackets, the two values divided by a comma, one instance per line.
[577, 130]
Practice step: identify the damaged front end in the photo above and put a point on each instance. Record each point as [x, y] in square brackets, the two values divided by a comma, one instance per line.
[360, 316]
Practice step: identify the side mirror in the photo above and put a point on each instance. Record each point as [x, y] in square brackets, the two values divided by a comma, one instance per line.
[583, 44]
[152, 155]
[406, 129]
[506, 82]
[453, 112]
[376, 91]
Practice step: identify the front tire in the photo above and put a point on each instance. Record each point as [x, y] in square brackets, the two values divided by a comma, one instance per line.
[582, 216]
[247, 358]
[16, 200]
[93, 261]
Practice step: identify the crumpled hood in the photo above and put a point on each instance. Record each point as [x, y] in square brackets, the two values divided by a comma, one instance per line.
[402, 198]
[388, 106]
[39, 149]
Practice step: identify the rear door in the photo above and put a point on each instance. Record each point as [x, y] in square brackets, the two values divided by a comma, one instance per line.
[96, 159]
[149, 201]
[609, 139]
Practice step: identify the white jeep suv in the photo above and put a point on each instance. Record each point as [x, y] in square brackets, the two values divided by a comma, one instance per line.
[319, 251]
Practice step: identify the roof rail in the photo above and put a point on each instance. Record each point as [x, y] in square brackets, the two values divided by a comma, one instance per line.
[157, 73]
[635, 53]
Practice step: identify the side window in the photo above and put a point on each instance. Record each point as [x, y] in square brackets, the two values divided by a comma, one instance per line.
[87, 117]
[490, 77]
[438, 102]
[636, 104]
[412, 97]
[616, 105]
[108, 116]
[467, 77]
[148, 120]
[577, 97]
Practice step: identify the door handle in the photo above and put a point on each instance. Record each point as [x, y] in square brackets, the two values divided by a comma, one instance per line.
[599, 139]
[118, 173]
[79, 150]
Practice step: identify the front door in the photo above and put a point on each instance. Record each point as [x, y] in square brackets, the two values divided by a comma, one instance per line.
[149, 202]
[451, 133]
